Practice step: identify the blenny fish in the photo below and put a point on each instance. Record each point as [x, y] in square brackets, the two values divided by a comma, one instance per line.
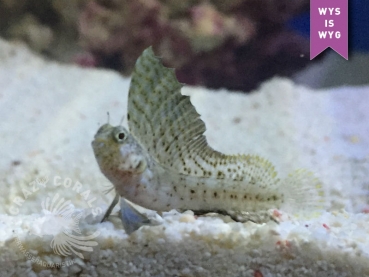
[164, 161]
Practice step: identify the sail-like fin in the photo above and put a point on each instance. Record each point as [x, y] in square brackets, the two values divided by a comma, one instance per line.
[167, 125]
[159, 116]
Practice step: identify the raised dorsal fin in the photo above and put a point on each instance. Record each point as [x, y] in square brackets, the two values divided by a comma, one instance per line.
[167, 125]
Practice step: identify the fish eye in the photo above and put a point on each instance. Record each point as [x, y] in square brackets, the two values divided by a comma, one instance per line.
[120, 134]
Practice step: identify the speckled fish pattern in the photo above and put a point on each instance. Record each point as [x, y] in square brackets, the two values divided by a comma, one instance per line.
[164, 161]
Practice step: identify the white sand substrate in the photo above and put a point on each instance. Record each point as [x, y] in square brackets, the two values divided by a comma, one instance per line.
[49, 114]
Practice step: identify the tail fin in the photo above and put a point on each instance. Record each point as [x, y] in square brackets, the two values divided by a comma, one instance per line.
[303, 192]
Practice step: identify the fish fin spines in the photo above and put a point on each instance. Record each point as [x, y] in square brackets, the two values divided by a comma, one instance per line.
[303, 193]
[168, 126]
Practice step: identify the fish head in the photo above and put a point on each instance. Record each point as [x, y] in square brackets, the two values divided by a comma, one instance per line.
[118, 154]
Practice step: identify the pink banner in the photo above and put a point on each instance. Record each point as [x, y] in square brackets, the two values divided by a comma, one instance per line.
[328, 27]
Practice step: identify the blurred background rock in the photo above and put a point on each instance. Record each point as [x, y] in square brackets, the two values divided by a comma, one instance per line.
[234, 44]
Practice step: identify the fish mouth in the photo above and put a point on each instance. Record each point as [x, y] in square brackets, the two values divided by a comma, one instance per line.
[98, 143]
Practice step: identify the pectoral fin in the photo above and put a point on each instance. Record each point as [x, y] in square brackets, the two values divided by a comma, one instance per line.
[111, 207]
[131, 218]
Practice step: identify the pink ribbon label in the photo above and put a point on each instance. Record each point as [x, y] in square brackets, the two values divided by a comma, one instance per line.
[328, 27]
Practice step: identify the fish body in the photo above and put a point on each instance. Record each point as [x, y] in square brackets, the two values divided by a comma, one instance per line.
[144, 181]
[164, 161]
